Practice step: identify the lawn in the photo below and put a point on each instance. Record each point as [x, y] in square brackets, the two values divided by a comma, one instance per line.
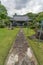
[36, 46]
[6, 39]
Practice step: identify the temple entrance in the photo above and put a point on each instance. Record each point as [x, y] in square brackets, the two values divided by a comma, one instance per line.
[20, 20]
[19, 23]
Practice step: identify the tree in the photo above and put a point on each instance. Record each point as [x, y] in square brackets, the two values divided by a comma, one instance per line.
[39, 17]
[36, 19]
[3, 11]
[3, 16]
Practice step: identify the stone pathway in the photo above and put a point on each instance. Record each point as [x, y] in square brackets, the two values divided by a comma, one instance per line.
[20, 53]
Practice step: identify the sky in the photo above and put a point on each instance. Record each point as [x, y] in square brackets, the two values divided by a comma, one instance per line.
[22, 6]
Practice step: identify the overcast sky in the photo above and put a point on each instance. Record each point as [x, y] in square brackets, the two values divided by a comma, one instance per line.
[22, 6]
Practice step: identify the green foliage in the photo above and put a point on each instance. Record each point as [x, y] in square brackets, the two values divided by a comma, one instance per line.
[32, 15]
[3, 11]
[39, 17]
[3, 16]
[36, 19]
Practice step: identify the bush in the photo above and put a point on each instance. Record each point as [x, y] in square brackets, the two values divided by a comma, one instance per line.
[2, 26]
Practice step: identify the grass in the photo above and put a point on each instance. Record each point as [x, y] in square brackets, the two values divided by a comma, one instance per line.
[6, 39]
[35, 45]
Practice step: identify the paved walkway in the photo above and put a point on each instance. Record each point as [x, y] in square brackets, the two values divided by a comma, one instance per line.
[20, 53]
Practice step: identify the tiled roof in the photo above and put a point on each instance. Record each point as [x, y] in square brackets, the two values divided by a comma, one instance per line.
[20, 18]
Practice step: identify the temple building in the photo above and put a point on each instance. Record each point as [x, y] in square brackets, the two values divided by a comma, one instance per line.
[19, 20]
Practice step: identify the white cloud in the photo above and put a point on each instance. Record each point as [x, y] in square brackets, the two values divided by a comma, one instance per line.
[22, 6]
